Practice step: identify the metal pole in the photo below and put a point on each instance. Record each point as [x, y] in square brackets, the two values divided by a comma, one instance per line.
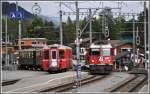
[77, 40]
[133, 39]
[137, 31]
[19, 41]
[61, 34]
[149, 37]
[1, 39]
[145, 31]
[90, 26]
[102, 25]
[137, 55]
[6, 54]
[137, 50]
[19, 35]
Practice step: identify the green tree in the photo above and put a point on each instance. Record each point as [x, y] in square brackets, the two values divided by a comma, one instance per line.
[118, 26]
[69, 31]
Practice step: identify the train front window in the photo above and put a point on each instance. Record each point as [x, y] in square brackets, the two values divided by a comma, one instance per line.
[53, 54]
[95, 52]
[61, 54]
[106, 52]
[46, 54]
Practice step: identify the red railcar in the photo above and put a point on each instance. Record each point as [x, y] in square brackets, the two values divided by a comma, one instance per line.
[56, 57]
[100, 58]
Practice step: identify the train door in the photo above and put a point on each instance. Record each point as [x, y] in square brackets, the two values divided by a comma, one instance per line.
[34, 58]
[38, 58]
[63, 58]
[45, 59]
[54, 58]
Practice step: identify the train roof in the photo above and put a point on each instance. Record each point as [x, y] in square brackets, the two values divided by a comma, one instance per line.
[101, 46]
[59, 46]
[32, 49]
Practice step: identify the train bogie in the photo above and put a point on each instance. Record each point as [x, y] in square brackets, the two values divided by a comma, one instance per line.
[100, 69]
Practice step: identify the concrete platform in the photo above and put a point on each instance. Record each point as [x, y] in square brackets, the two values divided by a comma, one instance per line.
[144, 89]
[20, 74]
[37, 83]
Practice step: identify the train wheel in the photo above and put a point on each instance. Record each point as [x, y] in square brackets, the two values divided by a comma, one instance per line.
[26, 68]
[41, 69]
[33, 69]
[65, 69]
[91, 72]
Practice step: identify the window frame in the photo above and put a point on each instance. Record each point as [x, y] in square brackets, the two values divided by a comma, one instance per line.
[62, 55]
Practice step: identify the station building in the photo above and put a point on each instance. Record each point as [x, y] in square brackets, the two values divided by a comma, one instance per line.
[27, 43]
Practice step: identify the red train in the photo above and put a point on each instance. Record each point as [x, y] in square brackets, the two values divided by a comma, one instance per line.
[56, 57]
[100, 58]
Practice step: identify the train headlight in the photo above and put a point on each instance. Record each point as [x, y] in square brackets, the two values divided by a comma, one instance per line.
[54, 64]
[92, 61]
[108, 62]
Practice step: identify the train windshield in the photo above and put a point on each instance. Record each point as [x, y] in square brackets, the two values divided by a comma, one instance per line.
[95, 52]
[53, 54]
[61, 54]
[106, 52]
[46, 54]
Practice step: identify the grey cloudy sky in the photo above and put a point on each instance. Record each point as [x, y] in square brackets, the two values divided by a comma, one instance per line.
[51, 8]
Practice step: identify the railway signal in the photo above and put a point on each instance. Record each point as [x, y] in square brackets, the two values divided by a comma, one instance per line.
[106, 32]
[137, 40]
[137, 37]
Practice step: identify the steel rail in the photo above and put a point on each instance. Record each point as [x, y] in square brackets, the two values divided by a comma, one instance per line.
[5, 83]
[130, 85]
[72, 85]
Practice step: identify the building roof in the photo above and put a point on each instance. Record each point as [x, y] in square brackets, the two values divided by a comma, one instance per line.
[34, 39]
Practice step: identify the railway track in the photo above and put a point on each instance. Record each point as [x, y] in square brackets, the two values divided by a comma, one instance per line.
[130, 85]
[5, 83]
[73, 85]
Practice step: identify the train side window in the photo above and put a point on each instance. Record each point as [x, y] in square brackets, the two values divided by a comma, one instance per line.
[21, 55]
[95, 52]
[25, 55]
[61, 54]
[31, 55]
[46, 54]
[106, 52]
